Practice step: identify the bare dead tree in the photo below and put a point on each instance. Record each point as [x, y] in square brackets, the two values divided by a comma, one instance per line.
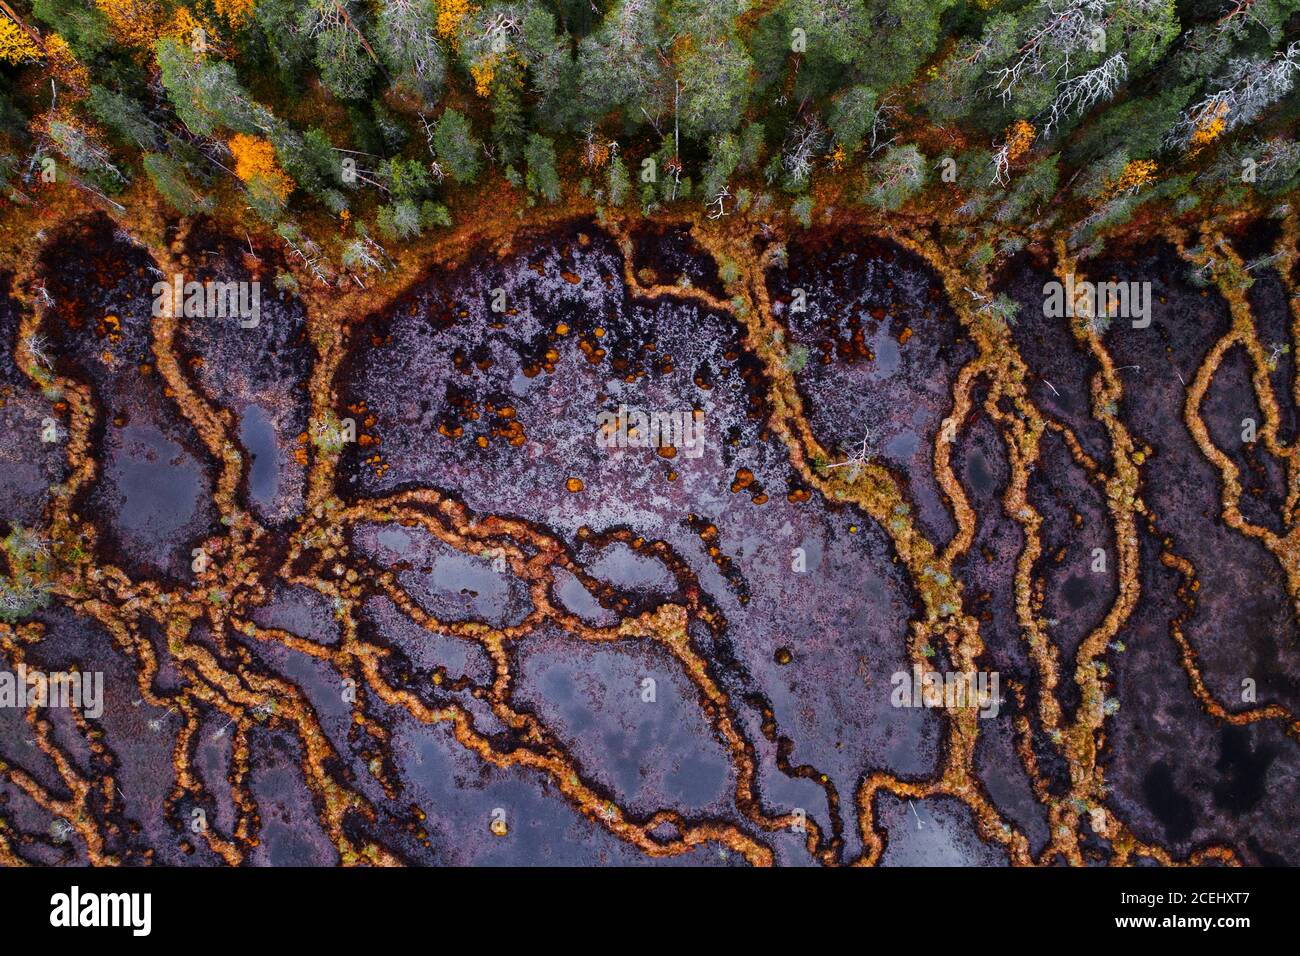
[720, 202]
[858, 460]
[1249, 87]
[1080, 93]
[1069, 29]
[36, 346]
[802, 146]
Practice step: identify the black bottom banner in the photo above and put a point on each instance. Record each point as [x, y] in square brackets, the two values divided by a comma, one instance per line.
[179, 906]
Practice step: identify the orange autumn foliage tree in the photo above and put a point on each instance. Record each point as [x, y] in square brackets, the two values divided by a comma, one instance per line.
[255, 164]
[483, 72]
[1020, 136]
[1210, 128]
[1136, 174]
[65, 68]
[451, 13]
[234, 12]
[186, 28]
[15, 45]
[134, 22]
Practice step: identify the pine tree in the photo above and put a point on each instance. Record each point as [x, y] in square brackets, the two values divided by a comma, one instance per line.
[541, 178]
[169, 179]
[895, 177]
[456, 147]
[343, 55]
